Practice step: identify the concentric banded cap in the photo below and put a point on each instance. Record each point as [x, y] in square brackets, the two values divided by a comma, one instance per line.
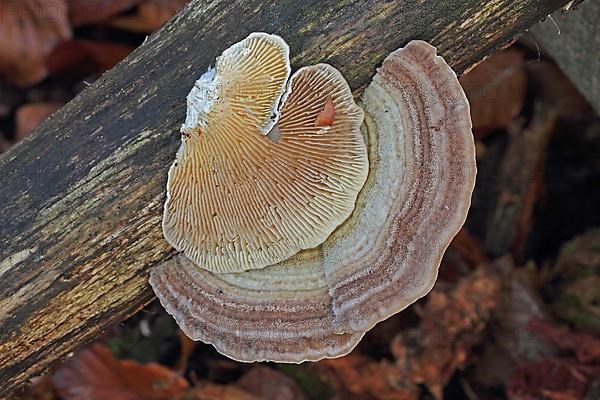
[320, 302]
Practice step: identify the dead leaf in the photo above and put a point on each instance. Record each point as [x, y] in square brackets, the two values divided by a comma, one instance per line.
[357, 377]
[269, 384]
[30, 116]
[94, 374]
[30, 29]
[496, 90]
[565, 377]
[212, 391]
[88, 12]
[151, 14]
[84, 57]
[509, 342]
[553, 379]
[453, 322]
[585, 347]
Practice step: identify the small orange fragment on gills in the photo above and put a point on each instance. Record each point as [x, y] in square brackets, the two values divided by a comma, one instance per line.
[325, 118]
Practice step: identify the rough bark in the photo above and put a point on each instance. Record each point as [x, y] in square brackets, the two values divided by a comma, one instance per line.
[82, 197]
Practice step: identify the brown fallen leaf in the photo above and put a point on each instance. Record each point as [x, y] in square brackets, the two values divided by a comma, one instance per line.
[269, 384]
[151, 14]
[94, 374]
[552, 379]
[453, 322]
[585, 347]
[211, 391]
[496, 90]
[30, 29]
[88, 12]
[568, 376]
[358, 377]
[509, 343]
[81, 58]
[30, 116]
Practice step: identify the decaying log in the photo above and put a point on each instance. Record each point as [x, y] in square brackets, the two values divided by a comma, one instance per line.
[518, 184]
[82, 197]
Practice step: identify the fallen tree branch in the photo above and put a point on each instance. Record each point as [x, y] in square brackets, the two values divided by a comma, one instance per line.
[82, 197]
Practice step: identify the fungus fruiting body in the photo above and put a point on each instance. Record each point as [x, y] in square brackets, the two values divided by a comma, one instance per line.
[320, 301]
[256, 179]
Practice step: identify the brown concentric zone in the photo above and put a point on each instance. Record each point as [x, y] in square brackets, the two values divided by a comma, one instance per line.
[417, 95]
[319, 302]
[249, 325]
[239, 199]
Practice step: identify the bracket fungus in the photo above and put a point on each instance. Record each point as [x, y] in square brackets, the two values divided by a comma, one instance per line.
[319, 302]
[266, 167]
